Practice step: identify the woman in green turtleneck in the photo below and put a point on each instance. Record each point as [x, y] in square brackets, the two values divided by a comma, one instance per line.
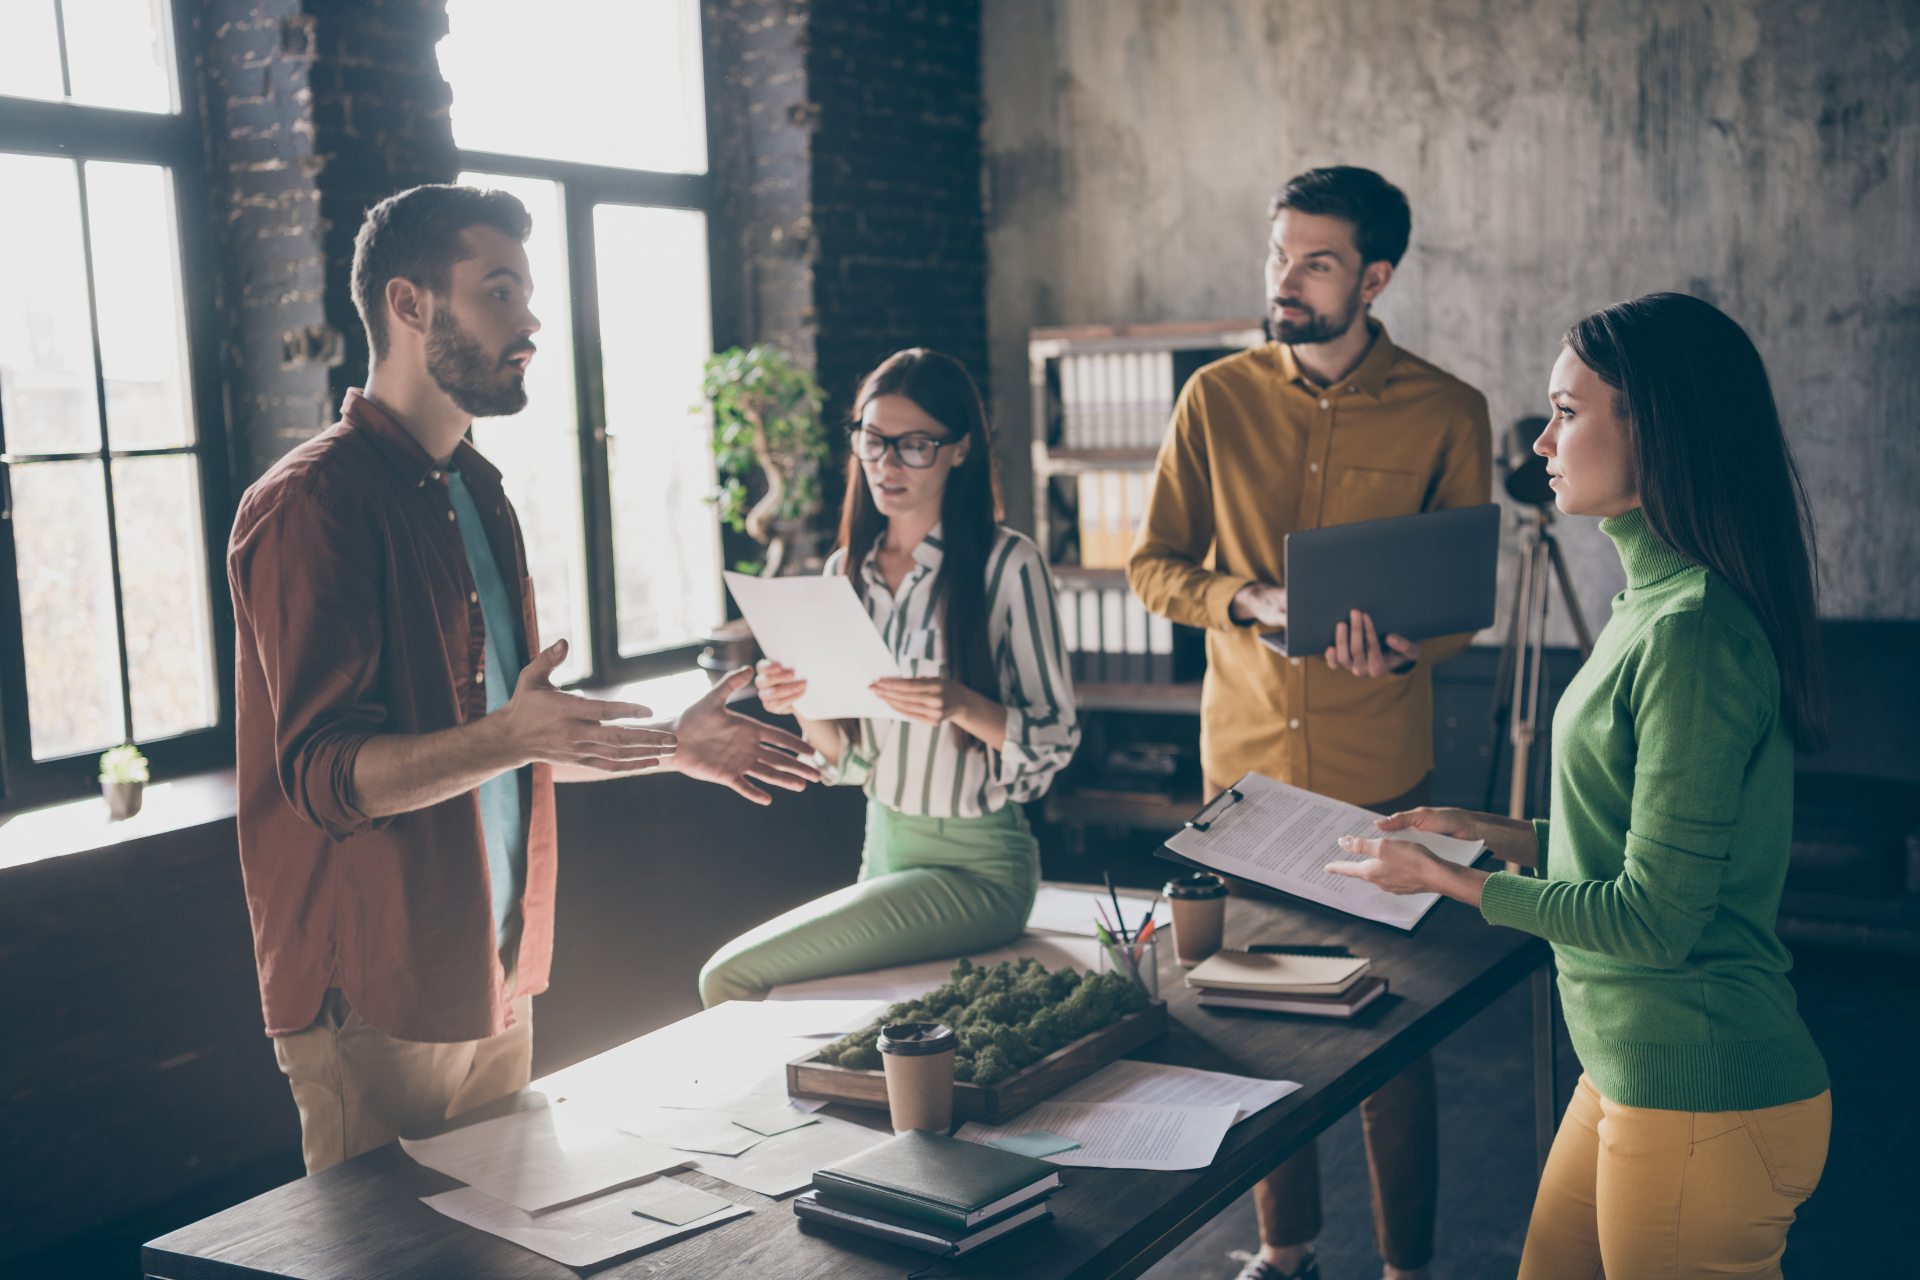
[1701, 1120]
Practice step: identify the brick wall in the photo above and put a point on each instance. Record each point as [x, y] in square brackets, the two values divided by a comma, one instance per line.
[275, 340]
[381, 124]
[901, 257]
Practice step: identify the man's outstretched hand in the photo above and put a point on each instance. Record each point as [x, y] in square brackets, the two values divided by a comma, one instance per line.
[723, 746]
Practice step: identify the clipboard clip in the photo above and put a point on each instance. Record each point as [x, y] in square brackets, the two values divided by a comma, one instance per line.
[1233, 797]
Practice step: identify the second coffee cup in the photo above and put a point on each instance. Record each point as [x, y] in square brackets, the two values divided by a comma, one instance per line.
[1199, 904]
[918, 1057]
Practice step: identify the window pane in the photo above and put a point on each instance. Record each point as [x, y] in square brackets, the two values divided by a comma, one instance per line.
[137, 295]
[627, 95]
[30, 51]
[163, 588]
[118, 54]
[47, 397]
[655, 336]
[66, 608]
[538, 449]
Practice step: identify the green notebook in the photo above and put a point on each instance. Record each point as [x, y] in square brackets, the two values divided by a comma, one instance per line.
[938, 1179]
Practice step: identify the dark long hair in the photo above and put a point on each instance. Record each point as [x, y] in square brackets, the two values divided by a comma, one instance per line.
[1717, 480]
[969, 510]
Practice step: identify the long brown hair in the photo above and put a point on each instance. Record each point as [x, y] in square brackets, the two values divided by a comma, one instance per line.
[969, 510]
[1717, 480]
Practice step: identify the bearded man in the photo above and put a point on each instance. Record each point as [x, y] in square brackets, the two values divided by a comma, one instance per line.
[1329, 424]
[398, 735]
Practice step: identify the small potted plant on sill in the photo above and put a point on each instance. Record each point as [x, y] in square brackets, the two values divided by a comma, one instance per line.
[123, 776]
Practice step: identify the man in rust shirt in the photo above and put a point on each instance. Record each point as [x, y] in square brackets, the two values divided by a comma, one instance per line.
[1330, 424]
[398, 736]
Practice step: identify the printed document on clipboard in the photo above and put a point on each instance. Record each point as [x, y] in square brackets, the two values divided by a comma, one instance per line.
[1283, 837]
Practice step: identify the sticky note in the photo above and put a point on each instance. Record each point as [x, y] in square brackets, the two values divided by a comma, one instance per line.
[1036, 1143]
[671, 1201]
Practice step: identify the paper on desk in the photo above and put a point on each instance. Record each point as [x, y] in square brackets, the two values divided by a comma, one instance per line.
[536, 1160]
[910, 982]
[1283, 837]
[580, 1235]
[817, 626]
[1150, 1083]
[786, 1162]
[1074, 910]
[730, 1057]
[1115, 1135]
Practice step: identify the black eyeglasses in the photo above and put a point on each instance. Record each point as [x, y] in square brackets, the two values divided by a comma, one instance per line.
[918, 452]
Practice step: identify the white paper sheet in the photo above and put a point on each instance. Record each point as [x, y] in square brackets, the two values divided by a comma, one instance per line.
[1153, 1083]
[1115, 1135]
[785, 1163]
[816, 626]
[580, 1235]
[1284, 837]
[732, 1056]
[536, 1160]
[1073, 911]
[909, 982]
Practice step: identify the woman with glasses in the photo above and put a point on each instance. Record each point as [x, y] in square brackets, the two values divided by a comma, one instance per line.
[986, 714]
[1700, 1123]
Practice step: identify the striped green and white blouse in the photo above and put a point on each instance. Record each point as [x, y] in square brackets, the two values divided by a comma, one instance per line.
[918, 769]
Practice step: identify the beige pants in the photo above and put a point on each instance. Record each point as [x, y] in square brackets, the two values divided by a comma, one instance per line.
[1631, 1193]
[359, 1088]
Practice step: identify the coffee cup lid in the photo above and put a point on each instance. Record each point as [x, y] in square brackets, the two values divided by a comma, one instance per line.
[915, 1039]
[1201, 884]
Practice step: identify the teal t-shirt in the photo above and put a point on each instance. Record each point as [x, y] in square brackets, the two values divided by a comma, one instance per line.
[505, 834]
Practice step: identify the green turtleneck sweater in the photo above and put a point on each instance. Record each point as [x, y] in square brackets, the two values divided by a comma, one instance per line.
[1672, 820]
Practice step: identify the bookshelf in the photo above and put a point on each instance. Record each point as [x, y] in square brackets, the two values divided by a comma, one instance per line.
[1102, 397]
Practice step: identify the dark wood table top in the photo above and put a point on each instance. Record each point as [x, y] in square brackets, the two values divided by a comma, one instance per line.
[364, 1221]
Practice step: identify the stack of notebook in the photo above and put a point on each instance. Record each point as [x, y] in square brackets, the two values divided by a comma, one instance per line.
[1324, 986]
[931, 1192]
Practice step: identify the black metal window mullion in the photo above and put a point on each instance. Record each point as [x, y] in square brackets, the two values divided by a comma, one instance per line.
[105, 457]
[60, 38]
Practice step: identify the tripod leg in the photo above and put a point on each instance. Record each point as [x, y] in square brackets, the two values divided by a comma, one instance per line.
[1568, 598]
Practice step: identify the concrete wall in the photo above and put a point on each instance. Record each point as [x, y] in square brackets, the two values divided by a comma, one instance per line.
[1559, 156]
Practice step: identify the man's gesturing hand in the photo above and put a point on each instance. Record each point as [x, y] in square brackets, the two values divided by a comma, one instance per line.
[541, 723]
[718, 745]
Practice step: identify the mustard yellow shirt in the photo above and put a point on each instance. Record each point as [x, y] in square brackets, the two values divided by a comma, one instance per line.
[1256, 451]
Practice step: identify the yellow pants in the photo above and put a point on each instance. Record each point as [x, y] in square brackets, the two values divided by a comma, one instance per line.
[358, 1088]
[1636, 1194]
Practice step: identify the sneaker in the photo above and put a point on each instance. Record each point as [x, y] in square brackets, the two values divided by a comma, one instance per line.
[1256, 1269]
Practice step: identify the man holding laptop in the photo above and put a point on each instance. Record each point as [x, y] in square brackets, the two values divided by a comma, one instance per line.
[1329, 424]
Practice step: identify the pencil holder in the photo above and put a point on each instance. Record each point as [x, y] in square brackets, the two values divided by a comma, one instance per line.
[1136, 962]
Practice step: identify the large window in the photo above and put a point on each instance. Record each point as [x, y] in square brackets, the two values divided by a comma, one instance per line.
[605, 142]
[106, 557]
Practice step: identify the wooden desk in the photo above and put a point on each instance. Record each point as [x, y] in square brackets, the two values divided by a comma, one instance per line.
[363, 1220]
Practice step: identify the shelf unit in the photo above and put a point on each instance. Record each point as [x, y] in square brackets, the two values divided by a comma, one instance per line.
[1191, 343]
[1112, 709]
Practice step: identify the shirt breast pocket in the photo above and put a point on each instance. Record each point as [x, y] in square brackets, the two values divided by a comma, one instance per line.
[922, 653]
[1362, 493]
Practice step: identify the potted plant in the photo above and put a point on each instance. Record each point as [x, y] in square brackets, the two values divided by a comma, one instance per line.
[123, 776]
[766, 415]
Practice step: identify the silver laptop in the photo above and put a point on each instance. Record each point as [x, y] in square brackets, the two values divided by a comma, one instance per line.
[1418, 576]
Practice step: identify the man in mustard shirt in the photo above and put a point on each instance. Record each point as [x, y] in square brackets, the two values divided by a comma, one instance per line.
[1330, 424]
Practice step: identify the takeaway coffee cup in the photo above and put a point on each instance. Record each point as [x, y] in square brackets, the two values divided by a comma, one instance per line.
[919, 1062]
[1199, 914]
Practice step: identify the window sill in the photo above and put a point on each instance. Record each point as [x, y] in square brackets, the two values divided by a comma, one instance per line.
[81, 826]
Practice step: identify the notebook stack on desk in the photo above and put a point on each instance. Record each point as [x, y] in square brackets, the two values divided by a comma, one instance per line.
[931, 1193]
[1319, 985]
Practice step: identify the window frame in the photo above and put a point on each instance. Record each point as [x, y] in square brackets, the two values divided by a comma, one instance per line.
[581, 188]
[72, 131]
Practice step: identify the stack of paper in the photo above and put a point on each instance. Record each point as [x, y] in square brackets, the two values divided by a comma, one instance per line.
[713, 1087]
[541, 1159]
[1142, 1115]
[1074, 911]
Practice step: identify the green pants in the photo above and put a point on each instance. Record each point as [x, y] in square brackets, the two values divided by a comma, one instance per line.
[928, 887]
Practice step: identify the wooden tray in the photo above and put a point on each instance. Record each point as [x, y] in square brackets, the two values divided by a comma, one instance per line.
[995, 1103]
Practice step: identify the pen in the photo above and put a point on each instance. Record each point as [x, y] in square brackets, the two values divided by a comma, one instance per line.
[1118, 915]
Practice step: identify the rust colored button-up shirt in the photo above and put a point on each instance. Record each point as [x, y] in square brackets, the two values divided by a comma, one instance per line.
[357, 615]
[1256, 451]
